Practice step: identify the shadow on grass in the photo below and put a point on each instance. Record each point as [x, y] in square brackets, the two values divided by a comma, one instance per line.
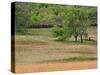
[81, 52]
[92, 42]
[72, 59]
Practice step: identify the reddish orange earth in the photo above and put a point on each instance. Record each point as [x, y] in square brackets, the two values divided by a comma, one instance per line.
[21, 68]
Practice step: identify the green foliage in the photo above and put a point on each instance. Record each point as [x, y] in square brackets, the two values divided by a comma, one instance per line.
[57, 31]
[79, 59]
[60, 33]
[28, 14]
[74, 24]
[77, 22]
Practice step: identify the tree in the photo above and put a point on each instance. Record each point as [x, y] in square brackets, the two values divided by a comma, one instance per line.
[22, 15]
[74, 24]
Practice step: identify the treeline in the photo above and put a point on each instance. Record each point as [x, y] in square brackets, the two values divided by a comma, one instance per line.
[38, 15]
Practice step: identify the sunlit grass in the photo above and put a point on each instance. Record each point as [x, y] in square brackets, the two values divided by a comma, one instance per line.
[49, 55]
[72, 50]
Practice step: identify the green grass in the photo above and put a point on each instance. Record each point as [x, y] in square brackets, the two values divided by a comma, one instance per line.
[72, 59]
[79, 59]
[78, 42]
[81, 52]
[44, 36]
[35, 31]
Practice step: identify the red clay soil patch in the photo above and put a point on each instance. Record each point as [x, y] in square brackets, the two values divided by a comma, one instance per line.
[22, 68]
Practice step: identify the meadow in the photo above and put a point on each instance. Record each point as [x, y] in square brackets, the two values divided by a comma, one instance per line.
[37, 46]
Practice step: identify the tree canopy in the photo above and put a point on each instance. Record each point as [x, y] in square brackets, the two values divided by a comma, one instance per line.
[31, 14]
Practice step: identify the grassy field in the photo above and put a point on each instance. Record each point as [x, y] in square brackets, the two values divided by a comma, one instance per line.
[39, 46]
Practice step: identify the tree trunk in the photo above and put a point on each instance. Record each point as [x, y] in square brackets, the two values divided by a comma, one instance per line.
[75, 38]
[81, 38]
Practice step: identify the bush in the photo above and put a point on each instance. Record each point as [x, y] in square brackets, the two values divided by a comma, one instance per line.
[58, 32]
[21, 31]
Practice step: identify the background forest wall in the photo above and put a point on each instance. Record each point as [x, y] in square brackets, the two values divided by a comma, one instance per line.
[32, 15]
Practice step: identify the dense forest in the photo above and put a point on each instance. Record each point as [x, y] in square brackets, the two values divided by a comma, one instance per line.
[47, 15]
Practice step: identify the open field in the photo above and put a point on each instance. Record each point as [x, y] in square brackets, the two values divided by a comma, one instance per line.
[58, 53]
[37, 46]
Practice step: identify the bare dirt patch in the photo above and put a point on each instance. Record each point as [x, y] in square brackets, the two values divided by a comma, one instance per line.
[20, 68]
